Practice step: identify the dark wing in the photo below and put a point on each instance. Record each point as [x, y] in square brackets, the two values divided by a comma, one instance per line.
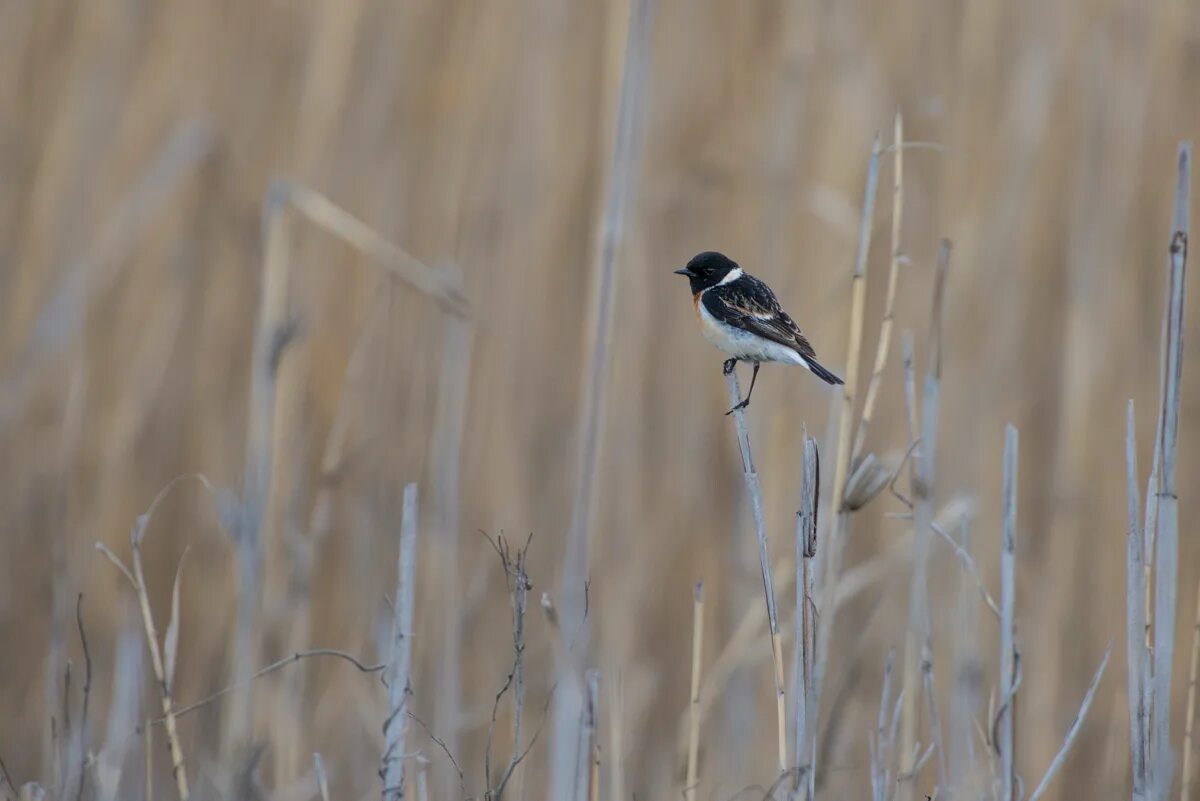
[750, 305]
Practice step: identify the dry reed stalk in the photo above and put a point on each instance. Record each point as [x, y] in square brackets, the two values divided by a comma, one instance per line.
[624, 139]
[1136, 653]
[1187, 777]
[1076, 724]
[1166, 548]
[754, 492]
[399, 669]
[162, 663]
[963, 700]
[689, 786]
[886, 326]
[922, 479]
[831, 564]
[1005, 742]
[806, 552]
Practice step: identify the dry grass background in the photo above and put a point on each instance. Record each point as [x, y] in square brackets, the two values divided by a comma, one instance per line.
[137, 144]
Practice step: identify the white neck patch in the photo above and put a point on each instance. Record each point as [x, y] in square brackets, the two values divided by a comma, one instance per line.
[731, 276]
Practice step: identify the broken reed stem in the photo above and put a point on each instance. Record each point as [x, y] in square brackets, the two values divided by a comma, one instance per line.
[1136, 654]
[1076, 724]
[399, 667]
[806, 551]
[887, 325]
[1005, 742]
[1188, 780]
[831, 563]
[1166, 549]
[754, 492]
[689, 787]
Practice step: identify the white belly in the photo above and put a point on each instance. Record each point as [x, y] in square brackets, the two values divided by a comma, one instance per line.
[742, 344]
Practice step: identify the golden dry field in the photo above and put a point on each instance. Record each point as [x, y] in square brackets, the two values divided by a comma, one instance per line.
[284, 258]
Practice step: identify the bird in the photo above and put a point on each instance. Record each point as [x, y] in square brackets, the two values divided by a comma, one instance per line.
[741, 316]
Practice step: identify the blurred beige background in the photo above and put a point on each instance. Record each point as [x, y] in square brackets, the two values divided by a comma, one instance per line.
[137, 144]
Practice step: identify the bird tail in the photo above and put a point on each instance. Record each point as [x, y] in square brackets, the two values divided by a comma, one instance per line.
[821, 373]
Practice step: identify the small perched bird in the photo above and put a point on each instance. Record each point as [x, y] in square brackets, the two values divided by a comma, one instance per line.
[741, 316]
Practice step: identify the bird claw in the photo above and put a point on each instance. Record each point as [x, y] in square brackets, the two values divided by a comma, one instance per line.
[739, 407]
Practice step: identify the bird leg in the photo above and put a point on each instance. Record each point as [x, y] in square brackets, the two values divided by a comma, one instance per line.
[729, 365]
[746, 401]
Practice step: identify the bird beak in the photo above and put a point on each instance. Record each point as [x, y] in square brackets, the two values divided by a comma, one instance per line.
[683, 271]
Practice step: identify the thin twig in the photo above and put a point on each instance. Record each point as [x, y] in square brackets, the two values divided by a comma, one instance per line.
[1076, 724]
[292, 658]
[969, 567]
[754, 492]
[518, 587]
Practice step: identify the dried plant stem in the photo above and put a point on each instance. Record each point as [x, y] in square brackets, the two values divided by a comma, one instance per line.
[888, 323]
[806, 551]
[689, 787]
[156, 661]
[1166, 547]
[1076, 724]
[1005, 742]
[630, 51]
[1136, 653]
[1188, 779]
[754, 493]
[399, 669]
[922, 479]
[831, 564]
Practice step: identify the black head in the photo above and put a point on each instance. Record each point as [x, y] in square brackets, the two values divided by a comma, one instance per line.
[707, 269]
